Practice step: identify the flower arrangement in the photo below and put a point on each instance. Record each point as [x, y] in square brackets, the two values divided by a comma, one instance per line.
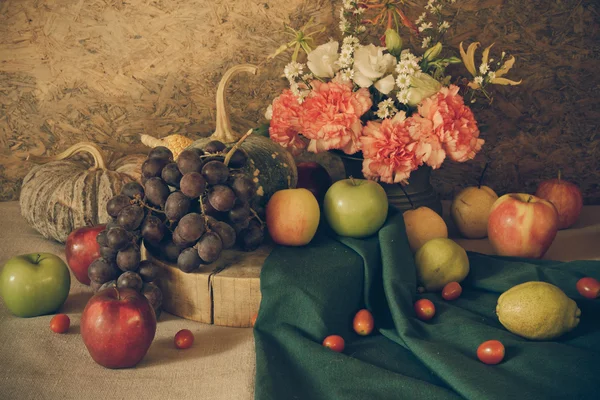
[397, 106]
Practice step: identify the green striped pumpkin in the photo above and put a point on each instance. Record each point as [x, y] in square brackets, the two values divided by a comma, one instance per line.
[271, 165]
[64, 194]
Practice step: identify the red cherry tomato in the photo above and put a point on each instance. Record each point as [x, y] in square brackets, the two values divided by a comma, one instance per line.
[490, 352]
[363, 322]
[335, 343]
[452, 291]
[60, 323]
[588, 287]
[253, 319]
[425, 309]
[184, 339]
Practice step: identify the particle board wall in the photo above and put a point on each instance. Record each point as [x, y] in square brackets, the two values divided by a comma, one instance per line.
[108, 70]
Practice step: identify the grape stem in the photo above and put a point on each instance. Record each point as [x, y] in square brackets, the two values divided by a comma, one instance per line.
[152, 208]
[235, 147]
[262, 223]
[203, 211]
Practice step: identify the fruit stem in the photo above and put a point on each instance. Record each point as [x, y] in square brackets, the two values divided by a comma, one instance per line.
[559, 175]
[235, 147]
[118, 294]
[151, 208]
[37, 259]
[482, 175]
[352, 181]
[89, 147]
[151, 141]
[530, 198]
[407, 196]
[223, 131]
[203, 211]
[256, 216]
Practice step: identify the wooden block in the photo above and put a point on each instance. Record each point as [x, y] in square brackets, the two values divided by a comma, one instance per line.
[225, 293]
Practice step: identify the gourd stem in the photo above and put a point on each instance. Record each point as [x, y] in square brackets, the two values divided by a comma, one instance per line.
[235, 147]
[223, 131]
[89, 147]
[151, 141]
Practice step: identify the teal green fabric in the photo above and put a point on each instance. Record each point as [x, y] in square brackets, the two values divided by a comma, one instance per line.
[314, 291]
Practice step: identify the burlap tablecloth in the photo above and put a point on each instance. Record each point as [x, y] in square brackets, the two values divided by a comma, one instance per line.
[36, 363]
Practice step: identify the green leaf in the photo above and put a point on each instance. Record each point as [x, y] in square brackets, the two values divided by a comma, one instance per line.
[262, 130]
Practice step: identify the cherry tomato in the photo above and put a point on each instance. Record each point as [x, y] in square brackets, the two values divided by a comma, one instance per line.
[490, 352]
[253, 320]
[184, 339]
[60, 323]
[363, 322]
[335, 343]
[588, 288]
[425, 309]
[452, 291]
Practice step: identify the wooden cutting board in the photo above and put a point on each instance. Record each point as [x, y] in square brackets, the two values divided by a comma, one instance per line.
[225, 293]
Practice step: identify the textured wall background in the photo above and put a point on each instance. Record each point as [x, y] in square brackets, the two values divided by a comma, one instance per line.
[108, 70]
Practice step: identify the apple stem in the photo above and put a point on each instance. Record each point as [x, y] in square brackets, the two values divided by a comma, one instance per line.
[37, 260]
[407, 196]
[529, 199]
[118, 294]
[559, 175]
[482, 175]
[352, 180]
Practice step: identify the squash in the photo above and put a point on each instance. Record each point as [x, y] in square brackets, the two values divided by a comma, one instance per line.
[272, 166]
[65, 194]
[176, 143]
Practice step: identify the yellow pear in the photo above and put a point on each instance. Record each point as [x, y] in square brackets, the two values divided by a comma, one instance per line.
[423, 224]
[439, 262]
[537, 310]
[470, 210]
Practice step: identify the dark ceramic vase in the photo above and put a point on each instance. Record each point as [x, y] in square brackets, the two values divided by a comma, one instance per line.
[419, 189]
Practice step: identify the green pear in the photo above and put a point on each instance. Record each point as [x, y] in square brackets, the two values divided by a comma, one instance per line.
[439, 262]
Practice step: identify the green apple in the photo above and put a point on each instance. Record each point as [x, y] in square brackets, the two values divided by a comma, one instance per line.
[355, 207]
[34, 284]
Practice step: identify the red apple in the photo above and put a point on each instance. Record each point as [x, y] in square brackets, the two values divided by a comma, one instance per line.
[565, 196]
[315, 178]
[292, 217]
[522, 225]
[117, 327]
[81, 249]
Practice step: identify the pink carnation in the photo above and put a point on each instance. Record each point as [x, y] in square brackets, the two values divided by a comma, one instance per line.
[391, 149]
[429, 149]
[330, 116]
[453, 122]
[285, 126]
